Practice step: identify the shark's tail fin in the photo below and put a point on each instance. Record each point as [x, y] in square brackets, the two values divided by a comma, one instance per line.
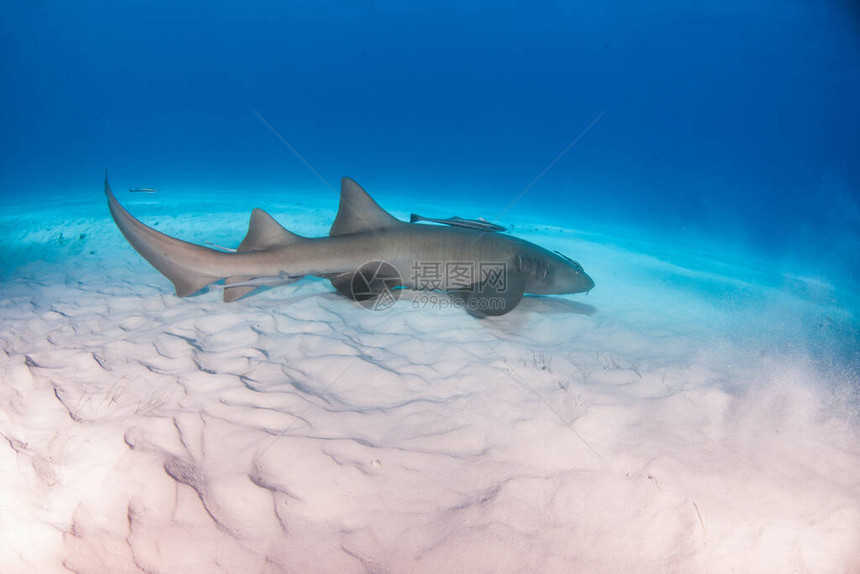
[175, 259]
[192, 267]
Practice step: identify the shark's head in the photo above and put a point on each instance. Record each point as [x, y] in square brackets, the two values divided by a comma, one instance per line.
[570, 277]
[553, 274]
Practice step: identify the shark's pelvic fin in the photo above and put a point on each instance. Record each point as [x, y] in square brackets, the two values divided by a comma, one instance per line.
[358, 212]
[367, 282]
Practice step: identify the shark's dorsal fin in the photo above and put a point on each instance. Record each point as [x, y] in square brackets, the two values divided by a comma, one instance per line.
[263, 233]
[358, 212]
[266, 233]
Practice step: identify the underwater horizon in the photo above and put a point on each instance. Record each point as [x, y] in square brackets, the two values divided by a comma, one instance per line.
[697, 411]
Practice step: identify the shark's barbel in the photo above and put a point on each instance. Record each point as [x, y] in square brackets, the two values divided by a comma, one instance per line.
[494, 269]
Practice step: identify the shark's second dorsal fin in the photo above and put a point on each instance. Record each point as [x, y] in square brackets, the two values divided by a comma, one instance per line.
[266, 233]
[358, 212]
[263, 233]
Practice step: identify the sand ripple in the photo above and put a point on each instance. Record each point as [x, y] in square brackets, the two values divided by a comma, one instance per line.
[296, 432]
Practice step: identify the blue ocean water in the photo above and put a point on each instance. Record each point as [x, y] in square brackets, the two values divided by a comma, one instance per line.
[699, 408]
[727, 124]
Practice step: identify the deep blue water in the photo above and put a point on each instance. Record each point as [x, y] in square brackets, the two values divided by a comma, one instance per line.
[729, 123]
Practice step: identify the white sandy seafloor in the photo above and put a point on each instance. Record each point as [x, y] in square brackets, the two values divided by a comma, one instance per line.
[682, 417]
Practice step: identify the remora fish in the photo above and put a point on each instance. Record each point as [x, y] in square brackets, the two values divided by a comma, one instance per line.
[362, 234]
[142, 190]
[480, 224]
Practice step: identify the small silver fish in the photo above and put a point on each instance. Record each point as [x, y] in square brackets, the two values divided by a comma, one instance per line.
[143, 190]
[480, 224]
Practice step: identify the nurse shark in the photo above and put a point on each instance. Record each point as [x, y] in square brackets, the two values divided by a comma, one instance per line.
[367, 253]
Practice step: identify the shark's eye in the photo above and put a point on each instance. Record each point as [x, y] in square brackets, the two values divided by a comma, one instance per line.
[576, 265]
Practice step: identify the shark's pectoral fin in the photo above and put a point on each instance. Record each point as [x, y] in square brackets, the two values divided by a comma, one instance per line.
[264, 233]
[493, 296]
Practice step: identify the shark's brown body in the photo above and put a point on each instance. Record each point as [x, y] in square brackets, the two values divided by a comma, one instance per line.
[362, 233]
